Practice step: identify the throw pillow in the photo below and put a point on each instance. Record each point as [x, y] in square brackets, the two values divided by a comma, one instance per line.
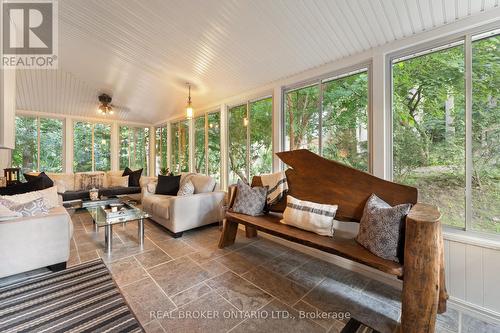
[34, 185]
[310, 216]
[168, 185]
[249, 200]
[87, 181]
[32, 208]
[381, 228]
[6, 214]
[203, 183]
[47, 182]
[118, 181]
[186, 189]
[134, 177]
[61, 186]
[49, 195]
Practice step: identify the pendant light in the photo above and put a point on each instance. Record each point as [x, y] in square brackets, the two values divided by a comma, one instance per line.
[189, 108]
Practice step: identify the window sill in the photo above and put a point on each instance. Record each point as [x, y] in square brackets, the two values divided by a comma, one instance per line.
[472, 238]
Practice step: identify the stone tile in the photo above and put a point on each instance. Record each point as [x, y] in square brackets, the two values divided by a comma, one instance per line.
[145, 298]
[244, 259]
[191, 294]
[383, 292]
[175, 248]
[178, 275]
[277, 285]
[239, 292]
[153, 327]
[126, 271]
[152, 258]
[214, 268]
[334, 296]
[473, 325]
[121, 251]
[73, 258]
[272, 248]
[88, 256]
[449, 320]
[280, 319]
[205, 254]
[305, 277]
[287, 262]
[210, 304]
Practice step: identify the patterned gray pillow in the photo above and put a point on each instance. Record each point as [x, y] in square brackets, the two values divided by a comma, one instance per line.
[32, 208]
[380, 228]
[186, 189]
[249, 200]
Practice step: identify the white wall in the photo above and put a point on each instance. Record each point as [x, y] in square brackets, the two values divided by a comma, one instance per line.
[472, 263]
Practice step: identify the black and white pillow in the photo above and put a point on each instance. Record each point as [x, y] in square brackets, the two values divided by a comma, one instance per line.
[310, 216]
[249, 200]
[381, 228]
[33, 208]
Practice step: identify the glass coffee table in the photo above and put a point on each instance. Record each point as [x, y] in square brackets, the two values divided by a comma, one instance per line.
[128, 213]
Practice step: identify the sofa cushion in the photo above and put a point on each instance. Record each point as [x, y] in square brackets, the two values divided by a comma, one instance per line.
[35, 207]
[134, 176]
[118, 190]
[167, 185]
[35, 185]
[202, 183]
[114, 181]
[47, 182]
[64, 181]
[75, 195]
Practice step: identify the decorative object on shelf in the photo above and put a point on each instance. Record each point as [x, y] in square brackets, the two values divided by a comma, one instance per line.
[3, 181]
[94, 194]
[189, 108]
[12, 175]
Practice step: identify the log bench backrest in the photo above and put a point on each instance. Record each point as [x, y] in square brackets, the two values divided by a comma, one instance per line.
[314, 178]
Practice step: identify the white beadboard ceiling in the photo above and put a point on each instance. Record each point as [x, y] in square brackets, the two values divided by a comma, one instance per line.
[143, 51]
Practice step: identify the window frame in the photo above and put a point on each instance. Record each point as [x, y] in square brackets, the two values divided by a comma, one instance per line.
[134, 137]
[364, 66]
[93, 123]
[466, 38]
[38, 137]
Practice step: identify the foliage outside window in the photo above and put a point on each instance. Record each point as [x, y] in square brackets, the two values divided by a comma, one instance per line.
[429, 132]
[39, 144]
[91, 147]
[199, 145]
[161, 150]
[250, 140]
[180, 147]
[134, 148]
[330, 118]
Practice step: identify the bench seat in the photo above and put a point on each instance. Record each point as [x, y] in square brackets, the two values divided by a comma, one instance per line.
[344, 247]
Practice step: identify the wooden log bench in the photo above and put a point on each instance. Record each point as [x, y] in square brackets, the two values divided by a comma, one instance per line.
[313, 178]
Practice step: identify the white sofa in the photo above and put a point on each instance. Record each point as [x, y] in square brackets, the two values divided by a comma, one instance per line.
[33, 242]
[181, 213]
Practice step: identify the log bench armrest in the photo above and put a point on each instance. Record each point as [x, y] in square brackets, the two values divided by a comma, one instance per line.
[424, 291]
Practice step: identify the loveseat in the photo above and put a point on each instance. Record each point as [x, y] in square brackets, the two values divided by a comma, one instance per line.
[33, 242]
[181, 213]
[70, 187]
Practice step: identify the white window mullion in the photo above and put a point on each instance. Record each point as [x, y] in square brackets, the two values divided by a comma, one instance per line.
[38, 143]
[468, 130]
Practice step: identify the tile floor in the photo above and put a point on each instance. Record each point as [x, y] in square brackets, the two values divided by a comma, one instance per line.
[188, 284]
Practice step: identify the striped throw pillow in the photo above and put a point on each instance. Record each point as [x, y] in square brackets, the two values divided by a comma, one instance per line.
[310, 216]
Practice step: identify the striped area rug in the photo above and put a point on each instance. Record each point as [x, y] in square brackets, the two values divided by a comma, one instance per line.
[83, 298]
[355, 326]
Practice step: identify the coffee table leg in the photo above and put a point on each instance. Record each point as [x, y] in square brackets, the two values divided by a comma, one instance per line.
[108, 237]
[141, 233]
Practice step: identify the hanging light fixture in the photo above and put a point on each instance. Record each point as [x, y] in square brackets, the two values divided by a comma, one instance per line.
[189, 108]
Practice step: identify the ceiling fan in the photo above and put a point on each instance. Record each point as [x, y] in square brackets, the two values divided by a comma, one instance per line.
[105, 107]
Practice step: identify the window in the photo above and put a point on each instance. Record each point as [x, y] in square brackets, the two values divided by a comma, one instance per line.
[180, 147]
[330, 118]
[91, 147]
[430, 117]
[250, 139]
[39, 144]
[213, 152]
[161, 150]
[199, 145]
[485, 173]
[134, 148]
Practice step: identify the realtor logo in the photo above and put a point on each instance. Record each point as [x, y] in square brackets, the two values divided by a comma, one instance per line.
[29, 34]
